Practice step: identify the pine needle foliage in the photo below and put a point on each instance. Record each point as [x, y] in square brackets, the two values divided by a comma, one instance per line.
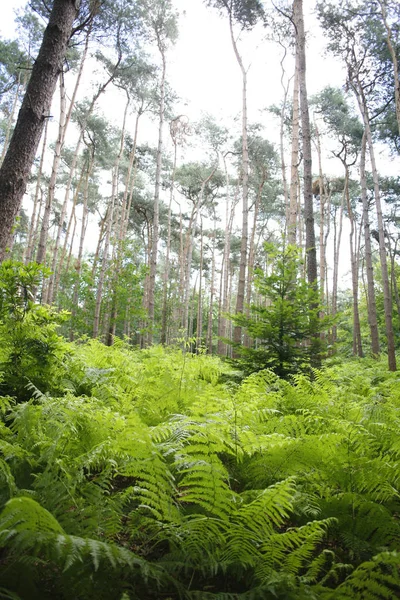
[146, 477]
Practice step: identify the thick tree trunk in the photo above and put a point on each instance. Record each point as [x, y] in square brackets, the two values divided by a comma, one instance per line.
[34, 111]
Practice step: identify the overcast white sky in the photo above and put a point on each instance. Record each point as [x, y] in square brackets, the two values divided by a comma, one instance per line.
[203, 70]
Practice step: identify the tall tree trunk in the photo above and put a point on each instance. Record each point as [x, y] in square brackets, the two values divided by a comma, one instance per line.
[209, 342]
[104, 262]
[164, 314]
[190, 241]
[78, 265]
[199, 331]
[311, 251]
[222, 322]
[336, 253]
[35, 109]
[64, 120]
[393, 55]
[34, 222]
[285, 88]
[387, 299]
[11, 120]
[372, 314]
[154, 249]
[237, 335]
[117, 255]
[54, 280]
[294, 165]
[357, 345]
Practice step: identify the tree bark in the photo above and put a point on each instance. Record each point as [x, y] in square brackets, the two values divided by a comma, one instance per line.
[387, 298]
[311, 251]
[372, 314]
[392, 51]
[294, 167]
[154, 248]
[237, 334]
[34, 111]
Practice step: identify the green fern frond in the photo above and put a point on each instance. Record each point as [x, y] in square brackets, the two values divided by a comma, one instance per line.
[373, 580]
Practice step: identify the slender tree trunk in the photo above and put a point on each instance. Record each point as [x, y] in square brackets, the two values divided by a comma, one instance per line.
[64, 120]
[336, 253]
[294, 168]
[33, 223]
[222, 325]
[311, 251]
[190, 242]
[199, 331]
[154, 251]
[393, 55]
[209, 342]
[104, 262]
[11, 120]
[54, 280]
[237, 335]
[285, 88]
[372, 314]
[357, 345]
[387, 299]
[35, 109]
[164, 315]
[78, 265]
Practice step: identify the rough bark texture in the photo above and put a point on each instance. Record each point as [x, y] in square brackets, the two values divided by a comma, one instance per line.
[34, 111]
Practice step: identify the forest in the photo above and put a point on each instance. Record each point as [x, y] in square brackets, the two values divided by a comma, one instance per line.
[200, 311]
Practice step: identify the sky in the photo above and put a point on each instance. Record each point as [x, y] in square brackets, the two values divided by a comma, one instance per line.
[202, 69]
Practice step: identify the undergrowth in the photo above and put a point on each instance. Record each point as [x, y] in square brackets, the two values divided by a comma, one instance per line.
[139, 475]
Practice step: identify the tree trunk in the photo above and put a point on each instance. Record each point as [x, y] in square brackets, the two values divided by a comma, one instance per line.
[209, 342]
[199, 329]
[311, 251]
[154, 249]
[34, 221]
[65, 118]
[100, 283]
[392, 51]
[372, 314]
[387, 299]
[11, 121]
[357, 345]
[237, 335]
[164, 314]
[78, 265]
[294, 168]
[34, 111]
[336, 253]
